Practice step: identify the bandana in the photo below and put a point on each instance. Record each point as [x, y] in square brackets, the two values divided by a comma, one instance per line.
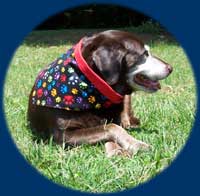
[69, 83]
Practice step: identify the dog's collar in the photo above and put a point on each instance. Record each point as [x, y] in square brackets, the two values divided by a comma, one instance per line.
[97, 81]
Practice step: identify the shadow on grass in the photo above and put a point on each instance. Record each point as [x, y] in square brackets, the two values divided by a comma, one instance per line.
[71, 36]
[144, 130]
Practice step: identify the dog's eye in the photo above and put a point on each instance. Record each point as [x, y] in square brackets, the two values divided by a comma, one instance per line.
[146, 53]
[141, 60]
[143, 57]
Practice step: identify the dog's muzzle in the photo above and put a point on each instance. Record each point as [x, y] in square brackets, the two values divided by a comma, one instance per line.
[146, 76]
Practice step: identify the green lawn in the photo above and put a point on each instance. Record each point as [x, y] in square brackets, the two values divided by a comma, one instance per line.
[166, 118]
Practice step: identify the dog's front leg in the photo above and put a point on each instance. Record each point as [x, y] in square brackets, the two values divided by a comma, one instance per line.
[127, 115]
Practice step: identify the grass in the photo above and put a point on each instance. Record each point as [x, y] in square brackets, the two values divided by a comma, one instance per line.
[166, 118]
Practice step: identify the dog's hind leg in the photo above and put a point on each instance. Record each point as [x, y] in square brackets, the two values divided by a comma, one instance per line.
[108, 132]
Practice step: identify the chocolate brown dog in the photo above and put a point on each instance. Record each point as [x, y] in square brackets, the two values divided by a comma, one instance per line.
[84, 95]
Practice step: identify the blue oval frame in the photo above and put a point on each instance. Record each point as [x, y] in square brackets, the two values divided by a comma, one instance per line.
[18, 18]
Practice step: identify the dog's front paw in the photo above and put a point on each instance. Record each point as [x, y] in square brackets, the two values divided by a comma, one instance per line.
[113, 149]
[125, 121]
[136, 146]
[133, 145]
[123, 140]
[128, 122]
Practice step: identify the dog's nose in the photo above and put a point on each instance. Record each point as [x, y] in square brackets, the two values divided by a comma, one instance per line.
[169, 68]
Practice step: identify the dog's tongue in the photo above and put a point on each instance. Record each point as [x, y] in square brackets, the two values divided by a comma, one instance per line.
[154, 84]
[151, 84]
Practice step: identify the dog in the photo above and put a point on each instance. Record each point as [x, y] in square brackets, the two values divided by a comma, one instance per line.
[88, 92]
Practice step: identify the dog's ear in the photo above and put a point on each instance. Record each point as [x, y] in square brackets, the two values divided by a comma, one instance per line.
[109, 63]
[90, 43]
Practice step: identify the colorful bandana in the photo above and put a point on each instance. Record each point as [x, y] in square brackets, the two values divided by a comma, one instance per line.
[69, 83]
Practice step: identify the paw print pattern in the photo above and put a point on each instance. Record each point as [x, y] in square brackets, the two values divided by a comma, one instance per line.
[43, 102]
[51, 70]
[63, 88]
[39, 83]
[46, 92]
[73, 80]
[44, 84]
[39, 92]
[70, 70]
[84, 94]
[50, 79]
[62, 85]
[60, 61]
[57, 75]
[74, 91]
[53, 92]
[68, 99]
[62, 69]
[49, 87]
[79, 100]
[46, 74]
[83, 85]
[63, 78]
[98, 106]
[67, 61]
[58, 99]
[91, 99]
[57, 67]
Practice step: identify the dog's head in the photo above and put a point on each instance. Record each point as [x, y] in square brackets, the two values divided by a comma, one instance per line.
[124, 62]
[147, 71]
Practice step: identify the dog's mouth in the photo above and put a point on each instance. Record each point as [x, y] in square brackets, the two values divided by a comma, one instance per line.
[149, 84]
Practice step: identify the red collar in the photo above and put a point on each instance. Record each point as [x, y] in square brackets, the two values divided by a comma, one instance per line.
[97, 81]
